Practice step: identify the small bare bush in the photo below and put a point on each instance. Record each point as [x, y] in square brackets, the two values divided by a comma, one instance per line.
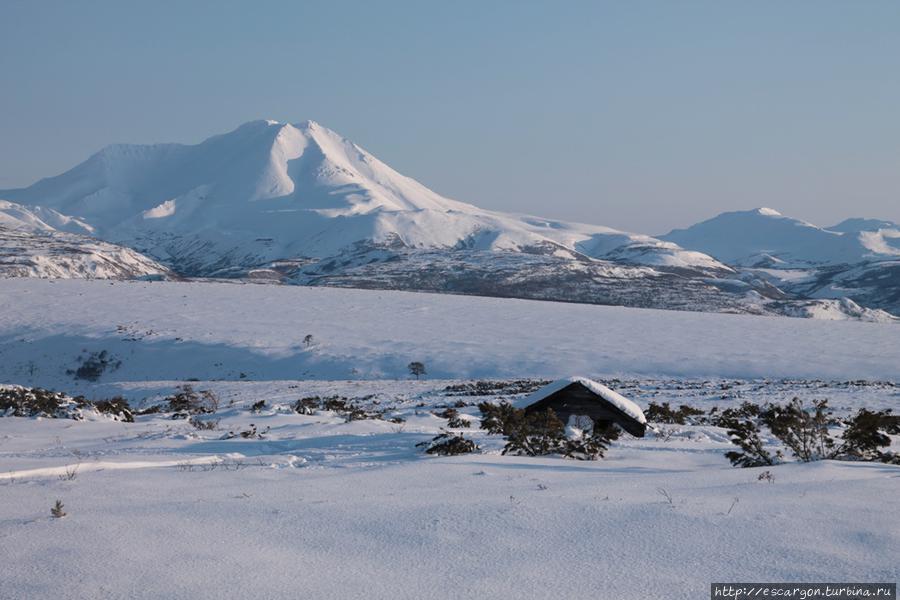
[204, 424]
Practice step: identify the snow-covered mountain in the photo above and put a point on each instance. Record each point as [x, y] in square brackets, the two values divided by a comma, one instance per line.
[37, 242]
[857, 259]
[269, 191]
[856, 225]
[764, 237]
[301, 204]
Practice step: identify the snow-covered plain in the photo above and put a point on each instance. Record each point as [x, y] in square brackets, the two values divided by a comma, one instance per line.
[323, 508]
[178, 331]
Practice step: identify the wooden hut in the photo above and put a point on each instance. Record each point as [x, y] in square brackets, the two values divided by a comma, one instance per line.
[579, 396]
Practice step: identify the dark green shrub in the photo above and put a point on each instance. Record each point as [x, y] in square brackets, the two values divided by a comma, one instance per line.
[803, 431]
[664, 413]
[866, 433]
[746, 435]
[541, 432]
[448, 444]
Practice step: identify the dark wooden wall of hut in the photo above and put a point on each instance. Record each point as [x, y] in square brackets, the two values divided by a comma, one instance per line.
[576, 399]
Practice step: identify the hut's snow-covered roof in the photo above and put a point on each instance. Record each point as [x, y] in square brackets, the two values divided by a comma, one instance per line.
[616, 399]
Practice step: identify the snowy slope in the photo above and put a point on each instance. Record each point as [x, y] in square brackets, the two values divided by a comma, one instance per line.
[38, 219]
[269, 191]
[31, 247]
[764, 237]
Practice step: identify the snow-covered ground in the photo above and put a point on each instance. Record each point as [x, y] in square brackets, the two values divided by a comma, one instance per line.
[324, 508]
[178, 331]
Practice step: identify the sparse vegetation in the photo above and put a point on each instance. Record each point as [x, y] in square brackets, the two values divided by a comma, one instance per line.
[251, 433]
[57, 510]
[664, 413]
[448, 444]
[349, 409]
[92, 366]
[454, 420]
[766, 476]
[308, 406]
[541, 433]
[495, 388]
[187, 401]
[806, 433]
[204, 424]
[70, 473]
[747, 410]
[116, 406]
[38, 402]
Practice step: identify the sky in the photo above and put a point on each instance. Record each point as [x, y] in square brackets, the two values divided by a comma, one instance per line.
[643, 116]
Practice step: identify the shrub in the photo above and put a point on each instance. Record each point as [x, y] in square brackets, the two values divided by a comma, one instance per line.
[494, 388]
[804, 432]
[591, 446]
[92, 366]
[338, 404]
[117, 407]
[57, 510]
[204, 424]
[247, 434]
[747, 410]
[866, 433]
[258, 406]
[541, 433]
[746, 435]
[664, 413]
[454, 421]
[307, 406]
[38, 402]
[188, 401]
[448, 444]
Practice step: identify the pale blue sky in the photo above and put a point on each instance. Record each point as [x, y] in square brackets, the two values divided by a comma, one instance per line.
[637, 115]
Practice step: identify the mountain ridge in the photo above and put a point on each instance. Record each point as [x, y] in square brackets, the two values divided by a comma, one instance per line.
[298, 203]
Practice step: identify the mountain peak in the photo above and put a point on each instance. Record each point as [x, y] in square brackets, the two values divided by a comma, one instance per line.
[271, 190]
[768, 212]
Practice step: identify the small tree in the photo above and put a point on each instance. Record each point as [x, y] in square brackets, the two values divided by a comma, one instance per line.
[308, 340]
[416, 368]
[57, 510]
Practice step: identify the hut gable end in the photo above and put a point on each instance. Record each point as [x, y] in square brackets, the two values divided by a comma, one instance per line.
[582, 396]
